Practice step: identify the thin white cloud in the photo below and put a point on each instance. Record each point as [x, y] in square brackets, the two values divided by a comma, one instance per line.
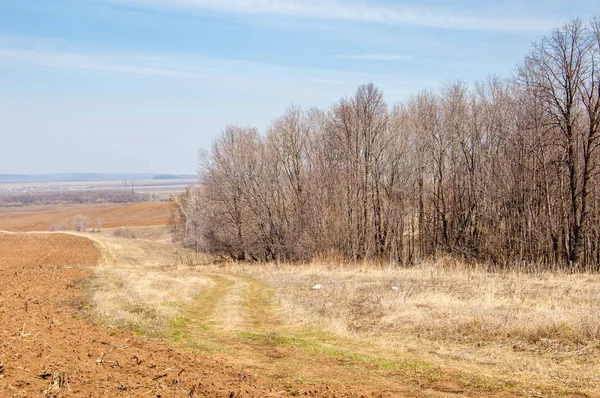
[191, 67]
[375, 57]
[356, 11]
[109, 63]
[188, 66]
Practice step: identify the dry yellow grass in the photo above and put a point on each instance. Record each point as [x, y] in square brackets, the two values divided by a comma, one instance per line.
[141, 283]
[542, 327]
[143, 300]
[152, 248]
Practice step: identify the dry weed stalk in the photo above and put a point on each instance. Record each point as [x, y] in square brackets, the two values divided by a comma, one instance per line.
[58, 381]
[25, 336]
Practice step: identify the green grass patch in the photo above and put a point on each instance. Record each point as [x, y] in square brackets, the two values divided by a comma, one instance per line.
[178, 322]
[319, 348]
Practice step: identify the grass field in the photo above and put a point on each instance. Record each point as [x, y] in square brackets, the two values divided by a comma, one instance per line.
[509, 326]
[41, 218]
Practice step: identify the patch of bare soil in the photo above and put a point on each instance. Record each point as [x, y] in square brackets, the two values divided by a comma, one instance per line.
[46, 250]
[48, 349]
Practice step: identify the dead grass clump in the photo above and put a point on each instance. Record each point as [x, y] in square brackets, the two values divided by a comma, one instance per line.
[191, 259]
[154, 232]
[142, 300]
[124, 233]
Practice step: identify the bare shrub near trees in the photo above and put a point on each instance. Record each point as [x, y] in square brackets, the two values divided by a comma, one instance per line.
[61, 226]
[186, 220]
[80, 223]
[501, 171]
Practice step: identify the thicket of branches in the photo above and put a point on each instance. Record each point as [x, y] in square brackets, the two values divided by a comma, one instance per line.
[503, 171]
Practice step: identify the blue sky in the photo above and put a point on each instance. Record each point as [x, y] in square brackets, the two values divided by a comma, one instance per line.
[141, 85]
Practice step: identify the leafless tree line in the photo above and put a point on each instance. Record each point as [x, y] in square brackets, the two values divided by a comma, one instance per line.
[71, 197]
[503, 171]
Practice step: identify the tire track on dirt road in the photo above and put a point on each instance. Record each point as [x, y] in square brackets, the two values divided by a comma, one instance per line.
[234, 304]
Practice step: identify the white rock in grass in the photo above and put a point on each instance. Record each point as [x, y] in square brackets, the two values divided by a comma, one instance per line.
[395, 288]
[317, 287]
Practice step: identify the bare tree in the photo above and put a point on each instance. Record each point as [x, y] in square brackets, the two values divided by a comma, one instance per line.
[562, 69]
[80, 223]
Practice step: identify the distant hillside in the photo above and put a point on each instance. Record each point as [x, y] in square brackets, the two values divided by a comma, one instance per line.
[67, 177]
[174, 177]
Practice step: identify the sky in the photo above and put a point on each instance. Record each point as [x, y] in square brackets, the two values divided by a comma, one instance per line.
[138, 86]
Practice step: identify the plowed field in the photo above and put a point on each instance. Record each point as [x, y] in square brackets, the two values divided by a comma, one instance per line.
[40, 218]
[46, 250]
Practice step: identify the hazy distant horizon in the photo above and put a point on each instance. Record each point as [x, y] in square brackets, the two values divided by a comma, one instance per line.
[6, 178]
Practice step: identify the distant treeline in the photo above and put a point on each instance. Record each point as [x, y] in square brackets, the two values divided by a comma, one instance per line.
[75, 197]
[173, 177]
[503, 171]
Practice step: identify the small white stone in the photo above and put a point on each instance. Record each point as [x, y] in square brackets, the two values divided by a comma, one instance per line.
[317, 287]
[395, 288]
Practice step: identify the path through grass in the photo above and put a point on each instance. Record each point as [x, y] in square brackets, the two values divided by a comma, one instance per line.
[237, 319]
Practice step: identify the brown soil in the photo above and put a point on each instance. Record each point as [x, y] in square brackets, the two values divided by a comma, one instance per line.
[46, 250]
[47, 348]
[40, 218]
